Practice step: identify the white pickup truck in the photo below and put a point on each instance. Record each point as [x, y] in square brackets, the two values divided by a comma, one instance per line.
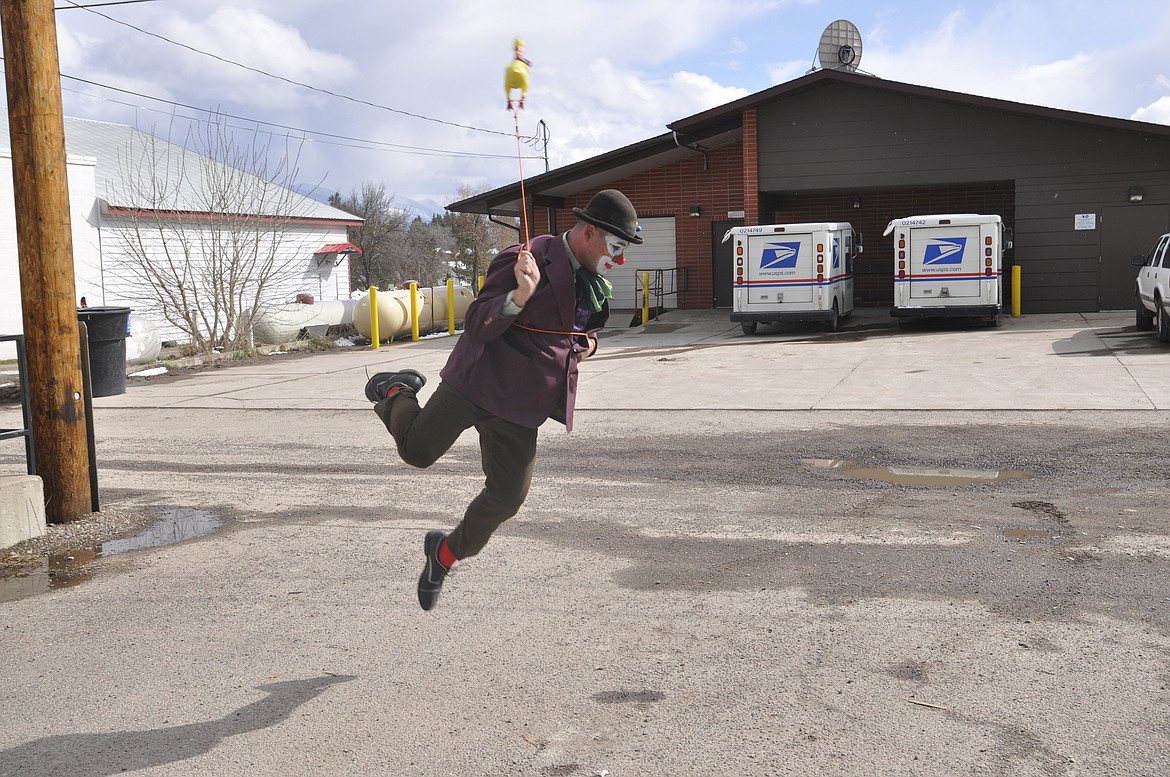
[1151, 297]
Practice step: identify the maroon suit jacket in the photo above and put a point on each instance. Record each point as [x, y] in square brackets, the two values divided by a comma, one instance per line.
[519, 375]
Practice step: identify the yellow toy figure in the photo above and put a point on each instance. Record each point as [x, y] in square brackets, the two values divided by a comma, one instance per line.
[516, 74]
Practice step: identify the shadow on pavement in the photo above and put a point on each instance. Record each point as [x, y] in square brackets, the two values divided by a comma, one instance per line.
[117, 752]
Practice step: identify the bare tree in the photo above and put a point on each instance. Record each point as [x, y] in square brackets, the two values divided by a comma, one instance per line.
[424, 253]
[476, 239]
[379, 235]
[200, 236]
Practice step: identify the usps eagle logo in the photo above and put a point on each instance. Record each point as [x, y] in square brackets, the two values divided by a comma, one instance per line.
[944, 250]
[778, 256]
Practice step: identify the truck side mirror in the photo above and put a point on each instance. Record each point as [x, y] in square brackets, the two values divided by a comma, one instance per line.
[1138, 260]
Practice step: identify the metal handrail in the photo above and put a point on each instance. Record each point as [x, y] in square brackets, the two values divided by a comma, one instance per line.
[663, 283]
[26, 408]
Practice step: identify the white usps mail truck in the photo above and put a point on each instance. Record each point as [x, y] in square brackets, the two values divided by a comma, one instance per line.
[793, 272]
[948, 266]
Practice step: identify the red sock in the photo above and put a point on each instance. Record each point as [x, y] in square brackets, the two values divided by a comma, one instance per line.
[390, 393]
[446, 557]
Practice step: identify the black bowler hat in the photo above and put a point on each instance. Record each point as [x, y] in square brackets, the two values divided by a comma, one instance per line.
[612, 211]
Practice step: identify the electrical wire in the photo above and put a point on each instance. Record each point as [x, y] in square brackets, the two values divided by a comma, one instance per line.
[98, 5]
[365, 143]
[287, 80]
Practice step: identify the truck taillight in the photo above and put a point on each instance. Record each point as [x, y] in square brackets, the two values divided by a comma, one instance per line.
[820, 278]
[987, 262]
[944, 221]
[739, 262]
[820, 248]
[901, 244]
[901, 254]
[739, 250]
[901, 273]
[987, 271]
[987, 252]
[987, 240]
[820, 268]
[778, 229]
[901, 265]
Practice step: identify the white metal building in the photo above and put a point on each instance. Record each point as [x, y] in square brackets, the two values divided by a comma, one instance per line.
[107, 165]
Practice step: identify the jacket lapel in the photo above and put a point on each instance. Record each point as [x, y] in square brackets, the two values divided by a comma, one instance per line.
[560, 277]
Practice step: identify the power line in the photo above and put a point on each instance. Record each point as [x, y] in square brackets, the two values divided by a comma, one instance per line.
[288, 80]
[367, 143]
[98, 5]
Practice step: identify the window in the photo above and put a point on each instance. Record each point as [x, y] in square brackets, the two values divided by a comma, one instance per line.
[1156, 253]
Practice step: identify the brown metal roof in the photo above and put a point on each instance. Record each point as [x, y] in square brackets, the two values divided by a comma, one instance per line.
[722, 125]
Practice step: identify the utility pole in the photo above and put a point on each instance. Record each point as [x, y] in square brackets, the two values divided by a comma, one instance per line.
[47, 288]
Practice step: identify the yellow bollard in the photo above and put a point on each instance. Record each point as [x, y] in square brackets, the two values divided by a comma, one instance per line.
[450, 306]
[374, 316]
[413, 312]
[645, 297]
[1015, 291]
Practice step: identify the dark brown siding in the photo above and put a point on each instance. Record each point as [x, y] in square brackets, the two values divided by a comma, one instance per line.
[908, 156]
[873, 272]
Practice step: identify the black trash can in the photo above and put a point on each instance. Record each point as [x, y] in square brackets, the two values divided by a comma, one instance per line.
[106, 331]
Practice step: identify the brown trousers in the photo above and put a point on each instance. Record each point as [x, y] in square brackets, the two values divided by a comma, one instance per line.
[507, 452]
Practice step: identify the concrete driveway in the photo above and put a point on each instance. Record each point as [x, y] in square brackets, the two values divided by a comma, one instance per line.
[875, 552]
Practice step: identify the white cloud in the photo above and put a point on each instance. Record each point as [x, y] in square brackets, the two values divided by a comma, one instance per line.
[605, 73]
[1157, 112]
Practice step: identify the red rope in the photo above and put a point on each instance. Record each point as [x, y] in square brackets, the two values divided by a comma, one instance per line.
[520, 159]
[588, 337]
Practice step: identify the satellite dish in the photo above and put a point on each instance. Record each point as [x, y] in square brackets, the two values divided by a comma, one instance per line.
[840, 47]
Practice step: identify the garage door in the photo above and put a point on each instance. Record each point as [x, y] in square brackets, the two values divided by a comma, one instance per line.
[656, 253]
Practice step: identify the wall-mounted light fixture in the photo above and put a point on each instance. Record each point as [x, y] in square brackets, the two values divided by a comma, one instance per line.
[1135, 194]
[696, 211]
[856, 201]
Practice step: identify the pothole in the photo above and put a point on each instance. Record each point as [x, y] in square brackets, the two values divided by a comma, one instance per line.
[1023, 535]
[919, 476]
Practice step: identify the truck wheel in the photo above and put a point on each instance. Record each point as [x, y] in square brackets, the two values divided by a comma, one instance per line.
[749, 327]
[1163, 321]
[1144, 318]
[834, 323]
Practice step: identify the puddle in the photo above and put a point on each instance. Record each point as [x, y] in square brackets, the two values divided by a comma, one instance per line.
[65, 570]
[172, 526]
[1023, 535]
[919, 476]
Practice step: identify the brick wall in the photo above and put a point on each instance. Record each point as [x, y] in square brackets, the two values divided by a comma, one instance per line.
[715, 183]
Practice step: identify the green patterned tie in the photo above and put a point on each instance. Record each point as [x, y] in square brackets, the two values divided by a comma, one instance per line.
[597, 288]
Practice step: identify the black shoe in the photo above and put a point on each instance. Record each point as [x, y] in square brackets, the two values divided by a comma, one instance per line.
[430, 582]
[379, 386]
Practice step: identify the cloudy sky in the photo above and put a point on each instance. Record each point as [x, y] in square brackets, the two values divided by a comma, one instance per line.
[410, 94]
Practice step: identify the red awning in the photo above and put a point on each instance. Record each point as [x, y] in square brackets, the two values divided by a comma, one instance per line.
[338, 248]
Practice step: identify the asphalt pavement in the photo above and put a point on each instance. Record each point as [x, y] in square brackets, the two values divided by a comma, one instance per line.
[881, 551]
